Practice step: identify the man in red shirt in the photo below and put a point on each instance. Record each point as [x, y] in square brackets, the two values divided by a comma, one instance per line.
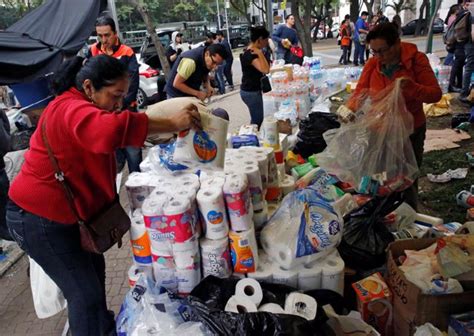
[109, 44]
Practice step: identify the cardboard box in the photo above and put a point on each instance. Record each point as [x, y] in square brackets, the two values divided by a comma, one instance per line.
[461, 324]
[411, 307]
[374, 303]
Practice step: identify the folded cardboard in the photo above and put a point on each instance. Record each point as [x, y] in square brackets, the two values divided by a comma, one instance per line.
[411, 307]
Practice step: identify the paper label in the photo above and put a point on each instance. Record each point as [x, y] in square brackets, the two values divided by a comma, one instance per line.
[204, 147]
[176, 228]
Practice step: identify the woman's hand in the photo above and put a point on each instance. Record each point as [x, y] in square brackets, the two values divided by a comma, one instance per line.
[187, 118]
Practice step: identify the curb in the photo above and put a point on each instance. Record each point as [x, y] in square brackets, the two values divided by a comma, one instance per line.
[14, 253]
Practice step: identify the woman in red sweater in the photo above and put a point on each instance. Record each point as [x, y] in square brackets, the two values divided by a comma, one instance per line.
[84, 128]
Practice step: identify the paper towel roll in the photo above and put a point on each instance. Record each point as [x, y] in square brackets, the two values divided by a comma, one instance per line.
[166, 279]
[251, 289]
[243, 251]
[260, 218]
[152, 210]
[213, 182]
[285, 277]
[309, 276]
[238, 202]
[255, 185]
[187, 280]
[333, 273]
[189, 181]
[215, 256]
[178, 219]
[270, 135]
[271, 308]
[262, 161]
[301, 305]
[272, 170]
[137, 189]
[139, 240]
[212, 207]
[288, 185]
[186, 254]
[209, 174]
[240, 305]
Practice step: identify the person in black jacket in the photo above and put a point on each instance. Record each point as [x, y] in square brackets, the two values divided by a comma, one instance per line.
[4, 182]
[226, 68]
[175, 49]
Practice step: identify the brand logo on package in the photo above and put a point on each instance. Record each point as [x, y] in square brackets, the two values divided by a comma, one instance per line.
[215, 217]
[205, 148]
[247, 262]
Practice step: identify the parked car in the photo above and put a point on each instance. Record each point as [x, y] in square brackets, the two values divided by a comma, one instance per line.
[149, 88]
[410, 27]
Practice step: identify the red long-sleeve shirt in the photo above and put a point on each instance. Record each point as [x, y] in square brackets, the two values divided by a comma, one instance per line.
[413, 64]
[83, 139]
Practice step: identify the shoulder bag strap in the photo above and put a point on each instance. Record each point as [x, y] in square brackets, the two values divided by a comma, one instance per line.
[59, 175]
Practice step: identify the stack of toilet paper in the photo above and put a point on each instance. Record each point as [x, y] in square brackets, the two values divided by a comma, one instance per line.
[248, 298]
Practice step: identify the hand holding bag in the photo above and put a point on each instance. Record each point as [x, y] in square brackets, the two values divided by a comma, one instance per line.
[106, 228]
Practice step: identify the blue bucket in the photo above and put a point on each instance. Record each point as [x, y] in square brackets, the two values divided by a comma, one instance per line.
[33, 94]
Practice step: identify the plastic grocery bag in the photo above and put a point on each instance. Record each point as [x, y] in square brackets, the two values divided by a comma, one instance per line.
[303, 229]
[365, 236]
[374, 152]
[48, 299]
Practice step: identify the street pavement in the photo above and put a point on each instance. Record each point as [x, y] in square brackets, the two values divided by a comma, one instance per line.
[17, 316]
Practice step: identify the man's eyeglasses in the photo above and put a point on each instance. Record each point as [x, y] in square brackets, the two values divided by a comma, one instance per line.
[214, 63]
[380, 51]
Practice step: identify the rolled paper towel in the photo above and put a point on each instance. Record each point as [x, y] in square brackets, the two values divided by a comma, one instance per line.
[243, 251]
[270, 135]
[137, 189]
[212, 207]
[187, 280]
[209, 174]
[178, 219]
[333, 273]
[271, 308]
[215, 255]
[288, 185]
[251, 289]
[240, 305]
[231, 166]
[189, 181]
[309, 276]
[285, 277]
[255, 185]
[262, 161]
[238, 202]
[134, 273]
[301, 305]
[260, 217]
[139, 240]
[186, 254]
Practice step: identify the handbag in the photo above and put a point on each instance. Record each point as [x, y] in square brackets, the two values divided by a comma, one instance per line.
[106, 228]
[265, 84]
[462, 28]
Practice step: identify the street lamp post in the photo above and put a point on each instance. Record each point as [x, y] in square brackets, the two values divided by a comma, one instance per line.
[227, 5]
[218, 16]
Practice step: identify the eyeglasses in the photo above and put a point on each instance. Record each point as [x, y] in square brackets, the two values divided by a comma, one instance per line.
[214, 62]
[380, 51]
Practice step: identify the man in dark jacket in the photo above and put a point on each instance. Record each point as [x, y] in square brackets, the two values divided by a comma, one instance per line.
[4, 183]
[226, 68]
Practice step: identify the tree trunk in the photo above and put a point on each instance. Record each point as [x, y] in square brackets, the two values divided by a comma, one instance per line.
[303, 25]
[150, 27]
[354, 10]
[370, 7]
[430, 27]
[419, 24]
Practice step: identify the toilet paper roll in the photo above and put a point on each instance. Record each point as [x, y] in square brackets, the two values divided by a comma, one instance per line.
[187, 280]
[212, 207]
[139, 240]
[238, 202]
[251, 289]
[288, 185]
[178, 219]
[309, 276]
[271, 308]
[255, 185]
[240, 305]
[163, 262]
[215, 256]
[262, 161]
[264, 272]
[137, 189]
[244, 251]
[166, 279]
[213, 182]
[152, 210]
[260, 219]
[231, 166]
[186, 254]
[160, 243]
[333, 273]
[301, 305]
[273, 180]
[270, 135]
[134, 273]
[209, 174]
[285, 277]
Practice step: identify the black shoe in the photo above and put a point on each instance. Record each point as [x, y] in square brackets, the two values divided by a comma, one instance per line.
[454, 89]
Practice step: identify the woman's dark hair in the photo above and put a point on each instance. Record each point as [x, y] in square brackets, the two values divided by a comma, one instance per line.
[385, 31]
[211, 35]
[106, 21]
[288, 16]
[257, 32]
[102, 70]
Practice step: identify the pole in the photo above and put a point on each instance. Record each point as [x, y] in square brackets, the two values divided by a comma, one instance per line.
[113, 13]
[218, 16]
[434, 8]
[269, 15]
[227, 5]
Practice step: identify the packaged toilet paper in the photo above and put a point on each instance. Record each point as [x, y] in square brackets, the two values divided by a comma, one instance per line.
[137, 189]
[186, 254]
[239, 206]
[213, 211]
[243, 251]
[215, 255]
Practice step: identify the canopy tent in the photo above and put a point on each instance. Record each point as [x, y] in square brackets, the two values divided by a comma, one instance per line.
[36, 45]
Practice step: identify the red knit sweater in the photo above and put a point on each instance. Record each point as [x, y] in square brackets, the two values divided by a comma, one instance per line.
[83, 139]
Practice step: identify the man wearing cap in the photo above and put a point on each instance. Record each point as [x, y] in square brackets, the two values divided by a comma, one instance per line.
[109, 44]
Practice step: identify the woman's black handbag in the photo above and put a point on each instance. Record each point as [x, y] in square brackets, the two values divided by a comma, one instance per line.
[265, 84]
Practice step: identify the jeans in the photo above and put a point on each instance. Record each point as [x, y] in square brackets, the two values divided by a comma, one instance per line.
[228, 72]
[455, 79]
[417, 140]
[80, 275]
[280, 54]
[449, 59]
[344, 57]
[359, 53]
[220, 79]
[468, 69]
[4, 186]
[132, 155]
[254, 101]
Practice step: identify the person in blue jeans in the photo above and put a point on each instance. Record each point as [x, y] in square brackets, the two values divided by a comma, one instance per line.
[226, 68]
[254, 67]
[359, 41]
[285, 36]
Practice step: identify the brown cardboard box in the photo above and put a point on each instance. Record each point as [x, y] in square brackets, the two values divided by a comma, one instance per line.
[411, 307]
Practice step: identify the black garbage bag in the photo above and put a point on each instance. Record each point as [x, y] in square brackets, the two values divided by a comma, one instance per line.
[310, 137]
[207, 301]
[365, 238]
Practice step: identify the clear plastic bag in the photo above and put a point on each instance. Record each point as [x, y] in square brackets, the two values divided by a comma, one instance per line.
[374, 152]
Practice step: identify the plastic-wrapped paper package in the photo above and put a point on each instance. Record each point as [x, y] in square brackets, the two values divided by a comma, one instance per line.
[374, 153]
[303, 229]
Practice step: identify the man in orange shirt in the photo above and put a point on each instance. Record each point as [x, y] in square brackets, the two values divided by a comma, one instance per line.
[395, 59]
